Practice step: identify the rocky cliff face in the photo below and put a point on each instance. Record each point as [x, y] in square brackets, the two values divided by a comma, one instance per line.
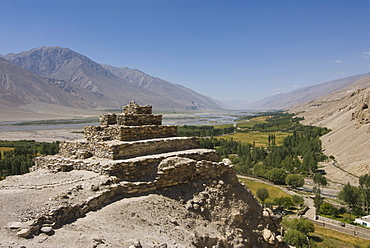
[361, 112]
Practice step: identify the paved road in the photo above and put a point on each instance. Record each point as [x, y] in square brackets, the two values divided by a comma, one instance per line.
[322, 221]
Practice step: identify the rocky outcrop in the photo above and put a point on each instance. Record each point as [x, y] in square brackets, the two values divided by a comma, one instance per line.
[361, 112]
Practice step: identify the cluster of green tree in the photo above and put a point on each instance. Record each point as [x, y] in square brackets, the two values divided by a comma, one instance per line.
[283, 202]
[357, 197]
[298, 230]
[300, 153]
[18, 160]
[277, 121]
[329, 209]
[257, 114]
[203, 131]
[272, 140]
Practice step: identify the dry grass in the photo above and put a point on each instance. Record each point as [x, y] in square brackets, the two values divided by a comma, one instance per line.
[335, 239]
[3, 149]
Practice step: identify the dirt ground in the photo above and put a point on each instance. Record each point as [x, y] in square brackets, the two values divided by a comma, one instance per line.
[42, 135]
[156, 219]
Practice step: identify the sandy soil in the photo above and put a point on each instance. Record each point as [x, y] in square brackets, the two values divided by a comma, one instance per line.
[42, 135]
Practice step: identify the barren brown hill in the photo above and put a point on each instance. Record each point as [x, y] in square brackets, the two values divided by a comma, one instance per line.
[175, 92]
[346, 112]
[304, 94]
[24, 94]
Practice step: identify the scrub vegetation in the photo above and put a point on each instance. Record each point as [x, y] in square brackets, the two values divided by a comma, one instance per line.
[16, 157]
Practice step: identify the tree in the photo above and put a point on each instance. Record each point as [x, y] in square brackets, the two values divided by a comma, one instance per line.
[277, 176]
[297, 238]
[259, 171]
[303, 225]
[364, 188]
[297, 199]
[320, 180]
[294, 180]
[309, 163]
[284, 202]
[317, 201]
[328, 209]
[262, 194]
[350, 195]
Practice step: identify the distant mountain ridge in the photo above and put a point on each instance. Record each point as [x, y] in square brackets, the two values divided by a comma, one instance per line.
[19, 86]
[304, 94]
[103, 87]
[174, 92]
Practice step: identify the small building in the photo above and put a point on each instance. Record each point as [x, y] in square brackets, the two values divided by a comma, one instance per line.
[365, 221]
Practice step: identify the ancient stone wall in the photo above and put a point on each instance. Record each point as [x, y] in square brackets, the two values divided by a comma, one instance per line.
[127, 133]
[139, 168]
[134, 108]
[138, 119]
[169, 172]
[125, 149]
[108, 119]
[130, 119]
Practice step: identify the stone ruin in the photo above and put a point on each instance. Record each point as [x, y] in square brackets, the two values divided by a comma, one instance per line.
[131, 146]
[132, 153]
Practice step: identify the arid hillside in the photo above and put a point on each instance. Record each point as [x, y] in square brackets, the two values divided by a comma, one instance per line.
[346, 112]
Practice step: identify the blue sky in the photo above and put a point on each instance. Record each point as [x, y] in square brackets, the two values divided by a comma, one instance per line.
[229, 49]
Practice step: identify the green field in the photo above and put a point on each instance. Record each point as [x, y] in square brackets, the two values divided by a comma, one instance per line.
[260, 138]
[274, 192]
[250, 123]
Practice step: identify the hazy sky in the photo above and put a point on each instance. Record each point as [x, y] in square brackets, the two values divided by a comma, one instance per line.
[246, 49]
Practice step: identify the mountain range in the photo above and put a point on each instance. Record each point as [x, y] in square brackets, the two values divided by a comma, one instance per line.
[304, 94]
[55, 79]
[66, 78]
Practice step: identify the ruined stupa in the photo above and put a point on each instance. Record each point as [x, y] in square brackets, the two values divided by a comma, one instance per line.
[148, 186]
[130, 146]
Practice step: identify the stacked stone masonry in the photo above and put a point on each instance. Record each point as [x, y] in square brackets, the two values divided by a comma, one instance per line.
[142, 168]
[126, 133]
[137, 158]
[134, 108]
[125, 149]
[134, 152]
[130, 119]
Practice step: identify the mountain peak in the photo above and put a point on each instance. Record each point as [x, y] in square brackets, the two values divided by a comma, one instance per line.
[108, 88]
